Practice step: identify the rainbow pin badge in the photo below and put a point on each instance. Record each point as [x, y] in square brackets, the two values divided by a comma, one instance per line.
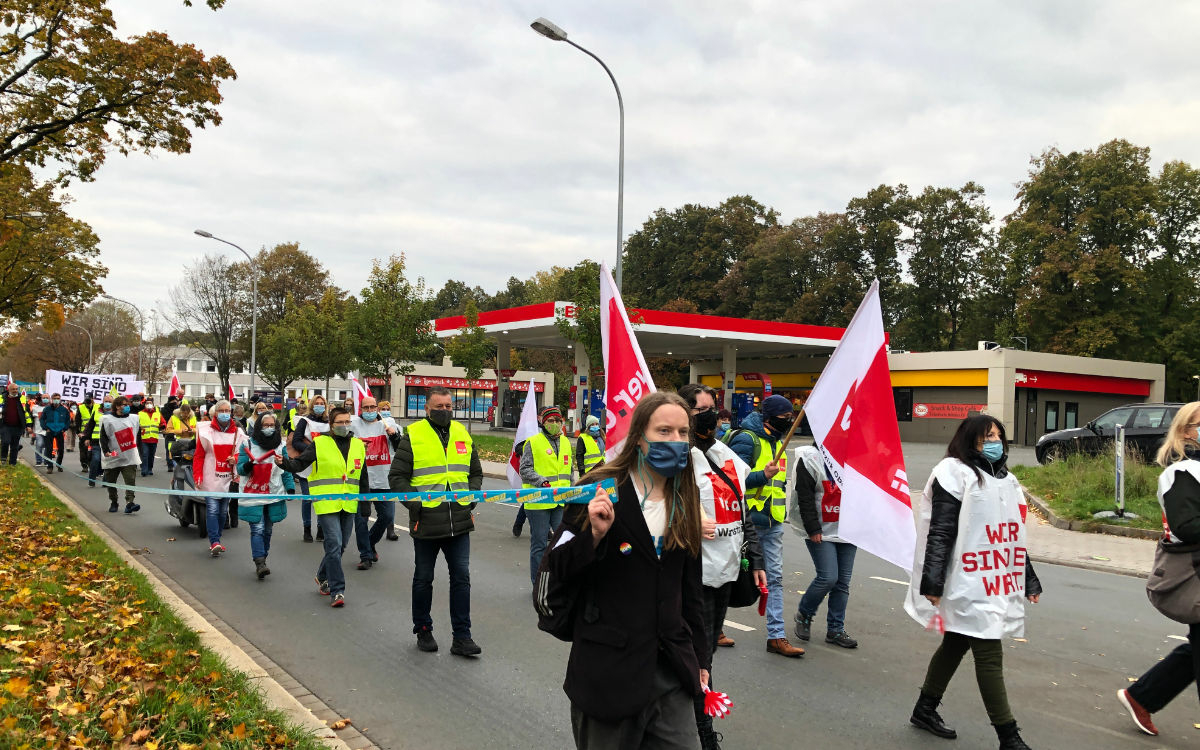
[625, 548]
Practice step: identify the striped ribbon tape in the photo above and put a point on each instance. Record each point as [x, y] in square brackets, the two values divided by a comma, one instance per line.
[579, 495]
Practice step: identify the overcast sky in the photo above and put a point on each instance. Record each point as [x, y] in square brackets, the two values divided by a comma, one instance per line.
[450, 131]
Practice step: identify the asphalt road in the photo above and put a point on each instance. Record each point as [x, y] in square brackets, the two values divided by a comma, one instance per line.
[1092, 632]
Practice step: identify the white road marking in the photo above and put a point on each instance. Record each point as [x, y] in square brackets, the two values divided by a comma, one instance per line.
[738, 626]
[888, 580]
[1178, 637]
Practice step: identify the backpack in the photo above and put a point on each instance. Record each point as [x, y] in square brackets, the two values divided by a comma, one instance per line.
[731, 434]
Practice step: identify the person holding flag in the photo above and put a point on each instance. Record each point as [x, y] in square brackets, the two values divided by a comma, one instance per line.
[971, 572]
[545, 462]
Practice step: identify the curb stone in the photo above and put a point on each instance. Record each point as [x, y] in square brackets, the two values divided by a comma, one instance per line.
[1088, 527]
[219, 638]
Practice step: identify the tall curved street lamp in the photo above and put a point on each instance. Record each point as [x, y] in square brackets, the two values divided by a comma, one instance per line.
[89, 335]
[254, 326]
[549, 30]
[141, 327]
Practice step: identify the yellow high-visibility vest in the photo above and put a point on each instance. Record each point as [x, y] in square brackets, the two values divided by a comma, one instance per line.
[554, 465]
[774, 490]
[150, 424]
[438, 467]
[333, 474]
[592, 455]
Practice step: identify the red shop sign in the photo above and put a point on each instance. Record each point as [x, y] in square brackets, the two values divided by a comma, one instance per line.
[482, 384]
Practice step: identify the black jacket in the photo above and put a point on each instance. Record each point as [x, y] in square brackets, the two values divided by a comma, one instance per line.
[806, 491]
[1181, 504]
[943, 532]
[639, 608]
[309, 456]
[438, 522]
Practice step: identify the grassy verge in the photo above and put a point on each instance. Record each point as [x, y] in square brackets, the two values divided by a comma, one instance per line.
[1079, 486]
[493, 447]
[89, 656]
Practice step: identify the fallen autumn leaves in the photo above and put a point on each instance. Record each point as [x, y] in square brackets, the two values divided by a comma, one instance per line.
[89, 657]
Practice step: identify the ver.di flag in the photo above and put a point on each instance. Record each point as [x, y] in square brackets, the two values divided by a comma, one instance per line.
[626, 377]
[526, 428]
[853, 418]
[175, 389]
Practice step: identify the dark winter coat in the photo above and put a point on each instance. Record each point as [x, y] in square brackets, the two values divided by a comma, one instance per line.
[437, 522]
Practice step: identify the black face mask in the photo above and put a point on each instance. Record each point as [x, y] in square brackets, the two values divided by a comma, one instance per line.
[440, 417]
[779, 425]
[706, 422]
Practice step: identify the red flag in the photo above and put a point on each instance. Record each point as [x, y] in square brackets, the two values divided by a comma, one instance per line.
[231, 396]
[853, 417]
[526, 428]
[626, 377]
[174, 384]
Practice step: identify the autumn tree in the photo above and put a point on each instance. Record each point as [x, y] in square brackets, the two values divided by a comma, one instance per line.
[70, 89]
[390, 326]
[215, 301]
[471, 349]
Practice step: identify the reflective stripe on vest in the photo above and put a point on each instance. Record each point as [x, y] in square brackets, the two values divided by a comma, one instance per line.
[98, 415]
[149, 424]
[435, 466]
[592, 455]
[551, 464]
[774, 489]
[333, 474]
[85, 414]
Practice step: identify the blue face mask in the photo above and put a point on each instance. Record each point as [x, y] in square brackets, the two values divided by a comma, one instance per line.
[370, 416]
[268, 431]
[107, 407]
[318, 409]
[667, 457]
[993, 450]
[223, 417]
[124, 411]
[385, 414]
[594, 429]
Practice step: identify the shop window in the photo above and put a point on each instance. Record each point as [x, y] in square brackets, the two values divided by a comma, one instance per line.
[1051, 416]
[1072, 416]
[904, 403]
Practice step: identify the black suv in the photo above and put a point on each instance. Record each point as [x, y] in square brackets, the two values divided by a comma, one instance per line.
[1145, 428]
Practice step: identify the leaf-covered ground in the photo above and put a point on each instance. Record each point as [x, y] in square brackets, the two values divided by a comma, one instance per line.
[90, 657]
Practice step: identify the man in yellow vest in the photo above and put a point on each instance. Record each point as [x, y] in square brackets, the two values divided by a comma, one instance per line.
[92, 430]
[150, 427]
[437, 454]
[83, 415]
[336, 467]
[545, 462]
[766, 497]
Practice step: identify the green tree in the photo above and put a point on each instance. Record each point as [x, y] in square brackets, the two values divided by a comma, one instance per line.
[213, 300]
[1173, 289]
[281, 344]
[70, 89]
[327, 351]
[453, 297]
[471, 349]
[46, 257]
[390, 328]
[950, 230]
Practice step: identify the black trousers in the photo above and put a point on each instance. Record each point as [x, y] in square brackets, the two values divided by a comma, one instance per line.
[1171, 676]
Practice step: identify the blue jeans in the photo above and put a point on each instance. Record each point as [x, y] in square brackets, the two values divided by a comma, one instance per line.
[457, 550]
[834, 562]
[217, 513]
[148, 450]
[260, 537]
[771, 539]
[39, 445]
[366, 539]
[541, 524]
[336, 528]
[305, 504]
[95, 467]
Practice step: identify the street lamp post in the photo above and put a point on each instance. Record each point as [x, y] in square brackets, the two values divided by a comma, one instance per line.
[141, 327]
[555, 33]
[1197, 379]
[254, 325]
[89, 335]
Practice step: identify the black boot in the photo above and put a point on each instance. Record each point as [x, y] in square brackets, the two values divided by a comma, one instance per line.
[260, 568]
[320, 534]
[926, 717]
[709, 740]
[1010, 737]
[308, 533]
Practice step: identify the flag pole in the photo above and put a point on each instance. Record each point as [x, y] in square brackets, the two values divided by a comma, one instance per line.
[788, 438]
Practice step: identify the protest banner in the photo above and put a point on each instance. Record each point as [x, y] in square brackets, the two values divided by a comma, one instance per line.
[76, 386]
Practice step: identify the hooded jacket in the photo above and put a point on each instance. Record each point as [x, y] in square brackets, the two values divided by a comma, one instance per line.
[743, 445]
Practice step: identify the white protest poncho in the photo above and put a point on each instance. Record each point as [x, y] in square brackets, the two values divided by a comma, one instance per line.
[210, 462]
[313, 427]
[1165, 481]
[984, 595]
[122, 437]
[722, 556]
[266, 477]
[379, 449]
[826, 494]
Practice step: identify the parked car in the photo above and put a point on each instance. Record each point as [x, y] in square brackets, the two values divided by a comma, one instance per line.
[1145, 429]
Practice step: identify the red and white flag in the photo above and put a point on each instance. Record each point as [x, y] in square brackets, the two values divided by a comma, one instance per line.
[359, 394]
[231, 397]
[853, 418]
[174, 381]
[526, 428]
[626, 377]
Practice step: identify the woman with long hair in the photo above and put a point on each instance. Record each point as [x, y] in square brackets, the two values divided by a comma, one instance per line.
[1179, 498]
[972, 572]
[259, 460]
[639, 653]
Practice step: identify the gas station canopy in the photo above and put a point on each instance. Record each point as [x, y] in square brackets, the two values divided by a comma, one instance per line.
[659, 333]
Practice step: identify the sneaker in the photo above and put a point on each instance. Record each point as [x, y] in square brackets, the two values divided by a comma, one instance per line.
[364, 565]
[803, 627]
[783, 648]
[465, 647]
[425, 640]
[215, 549]
[840, 638]
[132, 508]
[1140, 716]
[338, 600]
[113, 508]
[322, 586]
